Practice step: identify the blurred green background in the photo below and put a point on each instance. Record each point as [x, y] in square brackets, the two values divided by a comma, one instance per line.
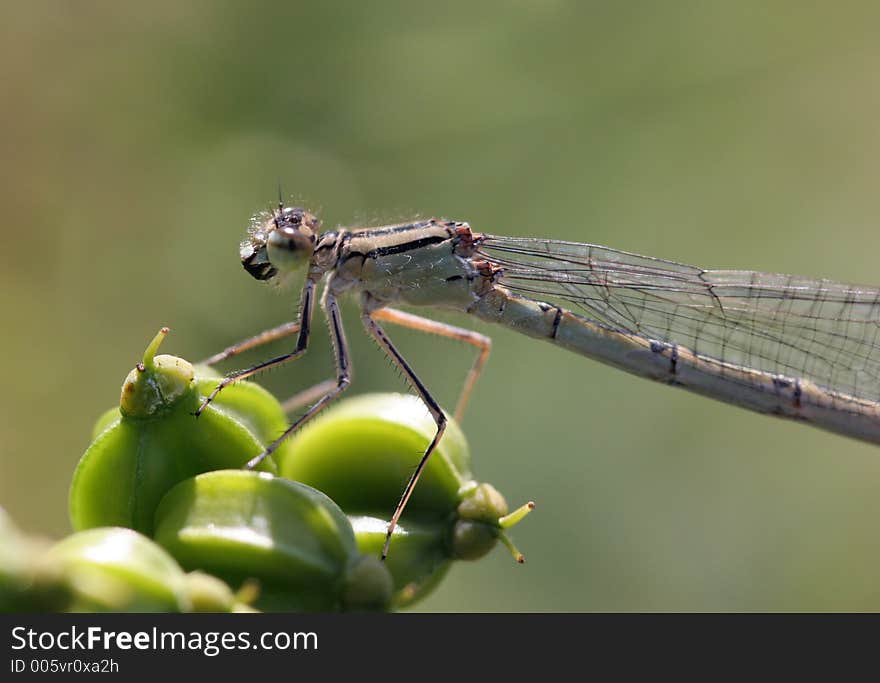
[137, 139]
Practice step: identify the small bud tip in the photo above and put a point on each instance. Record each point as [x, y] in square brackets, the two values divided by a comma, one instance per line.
[150, 352]
[516, 516]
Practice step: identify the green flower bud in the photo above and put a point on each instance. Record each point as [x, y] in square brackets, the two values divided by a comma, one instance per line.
[206, 593]
[155, 384]
[367, 585]
[119, 570]
[292, 539]
[420, 555]
[482, 518]
[361, 453]
[153, 441]
[28, 583]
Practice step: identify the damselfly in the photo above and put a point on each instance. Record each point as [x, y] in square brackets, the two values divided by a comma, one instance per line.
[796, 347]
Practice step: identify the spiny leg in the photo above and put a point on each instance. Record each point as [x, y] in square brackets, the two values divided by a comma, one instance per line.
[298, 400]
[343, 374]
[379, 335]
[302, 342]
[417, 322]
[264, 337]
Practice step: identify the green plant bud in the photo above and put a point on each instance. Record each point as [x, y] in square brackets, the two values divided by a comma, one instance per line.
[251, 405]
[420, 556]
[367, 585]
[296, 542]
[28, 583]
[247, 402]
[472, 540]
[153, 440]
[119, 570]
[479, 524]
[361, 453]
[110, 417]
[482, 503]
[206, 593]
[155, 384]
[205, 376]
[482, 519]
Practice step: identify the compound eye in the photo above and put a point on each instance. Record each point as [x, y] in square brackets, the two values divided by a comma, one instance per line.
[288, 248]
[287, 238]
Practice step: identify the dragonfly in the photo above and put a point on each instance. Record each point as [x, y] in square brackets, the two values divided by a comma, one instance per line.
[795, 347]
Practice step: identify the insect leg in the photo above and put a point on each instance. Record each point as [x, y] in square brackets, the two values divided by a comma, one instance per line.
[343, 374]
[417, 322]
[379, 335]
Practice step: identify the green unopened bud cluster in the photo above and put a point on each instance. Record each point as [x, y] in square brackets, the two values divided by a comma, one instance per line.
[240, 525]
[361, 453]
[107, 569]
[166, 519]
[152, 441]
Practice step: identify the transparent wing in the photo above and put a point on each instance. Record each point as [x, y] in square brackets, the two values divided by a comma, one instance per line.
[820, 330]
